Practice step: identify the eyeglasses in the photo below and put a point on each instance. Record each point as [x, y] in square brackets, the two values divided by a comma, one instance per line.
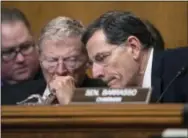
[71, 63]
[103, 58]
[9, 54]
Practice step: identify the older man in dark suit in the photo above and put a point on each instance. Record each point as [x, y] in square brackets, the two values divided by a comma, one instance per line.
[63, 60]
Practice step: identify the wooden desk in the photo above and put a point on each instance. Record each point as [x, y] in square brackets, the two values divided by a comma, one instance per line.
[89, 121]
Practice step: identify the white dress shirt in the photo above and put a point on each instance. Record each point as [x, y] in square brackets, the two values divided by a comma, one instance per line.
[147, 74]
[46, 93]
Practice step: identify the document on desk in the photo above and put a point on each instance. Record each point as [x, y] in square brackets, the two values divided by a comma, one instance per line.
[175, 133]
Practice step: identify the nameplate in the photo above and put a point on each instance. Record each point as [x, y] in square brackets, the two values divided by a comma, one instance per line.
[108, 95]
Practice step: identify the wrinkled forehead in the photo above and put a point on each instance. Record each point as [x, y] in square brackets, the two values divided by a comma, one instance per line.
[62, 47]
[14, 33]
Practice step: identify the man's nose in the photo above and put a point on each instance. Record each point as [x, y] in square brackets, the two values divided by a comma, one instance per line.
[61, 69]
[20, 58]
[97, 71]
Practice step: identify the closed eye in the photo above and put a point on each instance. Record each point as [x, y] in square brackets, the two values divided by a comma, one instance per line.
[52, 59]
[26, 46]
[101, 57]
[71, 59]
[8, 51]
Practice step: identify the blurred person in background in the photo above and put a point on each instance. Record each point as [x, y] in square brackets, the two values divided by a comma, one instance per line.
[19, 56]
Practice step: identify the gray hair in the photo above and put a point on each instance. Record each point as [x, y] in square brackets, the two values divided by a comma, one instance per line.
[60, 27]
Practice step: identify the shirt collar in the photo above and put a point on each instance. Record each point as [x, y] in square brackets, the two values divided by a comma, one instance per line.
[147, 75]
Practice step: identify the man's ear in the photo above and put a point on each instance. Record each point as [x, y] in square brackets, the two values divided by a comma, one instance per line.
[134, 47]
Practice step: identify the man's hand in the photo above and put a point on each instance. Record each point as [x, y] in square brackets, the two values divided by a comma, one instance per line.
[63, 87]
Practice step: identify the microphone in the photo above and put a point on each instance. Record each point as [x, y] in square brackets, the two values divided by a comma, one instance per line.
[179, 73]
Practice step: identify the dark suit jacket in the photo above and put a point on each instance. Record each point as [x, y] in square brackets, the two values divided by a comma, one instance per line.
[10, 95]
[37, 76]
[165, 67]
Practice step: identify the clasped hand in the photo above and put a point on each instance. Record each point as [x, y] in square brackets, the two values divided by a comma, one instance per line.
[63, 88]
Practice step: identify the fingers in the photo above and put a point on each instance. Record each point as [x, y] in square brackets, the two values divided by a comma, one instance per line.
[63, 87]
